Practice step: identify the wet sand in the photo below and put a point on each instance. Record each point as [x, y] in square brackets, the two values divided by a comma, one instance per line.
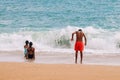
[61, 58]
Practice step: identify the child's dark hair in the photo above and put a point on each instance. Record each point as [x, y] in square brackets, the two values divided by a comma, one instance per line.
[30, 44]
[26, 41]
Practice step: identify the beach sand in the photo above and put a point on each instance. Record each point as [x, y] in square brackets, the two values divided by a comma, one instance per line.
[58, 66]
[35, 71]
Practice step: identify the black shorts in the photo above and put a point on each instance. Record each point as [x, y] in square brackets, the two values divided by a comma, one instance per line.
[30, 56]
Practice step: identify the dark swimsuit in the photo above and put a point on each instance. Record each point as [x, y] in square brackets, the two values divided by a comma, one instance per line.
[30, 56]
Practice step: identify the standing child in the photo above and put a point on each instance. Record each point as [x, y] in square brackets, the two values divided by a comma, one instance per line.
[25, 48]
[31, 51]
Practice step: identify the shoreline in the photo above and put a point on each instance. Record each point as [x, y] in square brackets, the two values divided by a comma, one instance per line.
[60, 58]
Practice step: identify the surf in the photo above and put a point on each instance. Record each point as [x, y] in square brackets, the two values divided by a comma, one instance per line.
[97, 39]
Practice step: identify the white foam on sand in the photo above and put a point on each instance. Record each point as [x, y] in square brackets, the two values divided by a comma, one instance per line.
[61, 58]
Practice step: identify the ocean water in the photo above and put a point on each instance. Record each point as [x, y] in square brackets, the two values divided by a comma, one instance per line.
[50, 23]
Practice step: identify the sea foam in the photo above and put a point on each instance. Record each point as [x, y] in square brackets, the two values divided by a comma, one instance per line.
[57, 39]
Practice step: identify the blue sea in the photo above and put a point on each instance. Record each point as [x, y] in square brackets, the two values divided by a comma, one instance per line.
[49, 24]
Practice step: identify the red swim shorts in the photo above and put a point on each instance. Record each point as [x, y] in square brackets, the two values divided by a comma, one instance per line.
[79, 46]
